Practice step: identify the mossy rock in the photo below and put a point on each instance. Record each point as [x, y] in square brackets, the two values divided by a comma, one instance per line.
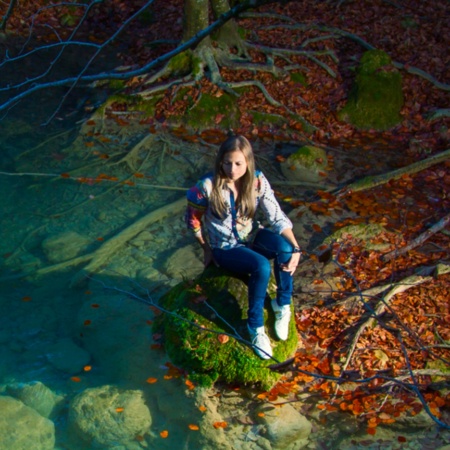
[217, 300]
[376, 97]
[308, 163]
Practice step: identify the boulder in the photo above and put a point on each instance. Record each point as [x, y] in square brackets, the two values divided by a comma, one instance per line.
[207, 333]
[109, 416]
[22, 428]
[286, 428]
[308, 163]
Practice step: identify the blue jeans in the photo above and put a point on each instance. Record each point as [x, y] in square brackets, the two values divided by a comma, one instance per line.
[254, 260]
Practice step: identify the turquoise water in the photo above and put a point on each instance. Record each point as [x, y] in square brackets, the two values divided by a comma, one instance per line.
[57, 326]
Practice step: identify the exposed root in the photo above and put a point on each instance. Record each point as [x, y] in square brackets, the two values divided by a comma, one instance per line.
[132, 156]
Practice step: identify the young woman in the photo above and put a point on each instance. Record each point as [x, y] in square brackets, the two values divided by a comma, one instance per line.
[222, 206]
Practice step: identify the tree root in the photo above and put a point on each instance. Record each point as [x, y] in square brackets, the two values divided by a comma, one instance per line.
[132, 156]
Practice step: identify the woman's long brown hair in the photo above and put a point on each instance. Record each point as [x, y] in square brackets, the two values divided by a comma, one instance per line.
[246, 200]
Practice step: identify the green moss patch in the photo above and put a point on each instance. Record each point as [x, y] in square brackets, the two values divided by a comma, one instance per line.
[376, 97]
[215, 304]
[211, 111]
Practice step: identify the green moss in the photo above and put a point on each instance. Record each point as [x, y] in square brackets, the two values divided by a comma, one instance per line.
[308, 156]
[264, 119]
[210, 111]
[376, 97]
[182, 63]
[191, 345]
[116, 85]
[133, 103]
[299, 77]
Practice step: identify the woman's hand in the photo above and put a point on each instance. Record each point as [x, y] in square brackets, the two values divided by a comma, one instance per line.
[208, 257]
[292, 264]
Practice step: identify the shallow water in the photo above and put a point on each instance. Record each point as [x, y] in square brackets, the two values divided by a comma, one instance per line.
[96, 314]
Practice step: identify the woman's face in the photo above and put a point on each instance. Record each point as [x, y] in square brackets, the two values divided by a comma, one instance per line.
[234, 165]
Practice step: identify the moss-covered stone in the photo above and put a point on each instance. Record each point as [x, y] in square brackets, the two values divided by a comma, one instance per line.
[217, 301]
[376, 97]
[308, 163]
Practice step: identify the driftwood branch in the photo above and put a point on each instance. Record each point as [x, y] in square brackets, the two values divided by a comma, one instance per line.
[101, 256]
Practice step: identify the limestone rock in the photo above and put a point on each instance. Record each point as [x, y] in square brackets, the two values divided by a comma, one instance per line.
[286, 427]
[22, 428]
[308, 163]
[107, 416]
[37, 396]
[64, 246]
[65, 355]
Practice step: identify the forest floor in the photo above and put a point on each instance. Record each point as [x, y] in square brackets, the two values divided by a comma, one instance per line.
[407, 350]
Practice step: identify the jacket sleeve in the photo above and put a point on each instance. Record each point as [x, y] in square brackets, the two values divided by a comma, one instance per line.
[197, 203]
[277, 219]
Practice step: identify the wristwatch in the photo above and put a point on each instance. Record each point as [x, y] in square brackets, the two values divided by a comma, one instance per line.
[296, 250]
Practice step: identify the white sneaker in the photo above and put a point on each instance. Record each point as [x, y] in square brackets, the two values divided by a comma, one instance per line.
[260, 342]
[282, 319]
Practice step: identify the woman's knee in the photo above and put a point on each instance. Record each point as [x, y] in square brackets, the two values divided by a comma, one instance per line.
[263, 268]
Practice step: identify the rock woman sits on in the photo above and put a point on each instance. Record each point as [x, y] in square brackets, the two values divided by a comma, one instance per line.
[221, 212]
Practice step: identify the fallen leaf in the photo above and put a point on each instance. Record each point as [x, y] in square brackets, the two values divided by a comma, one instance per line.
[223, 338]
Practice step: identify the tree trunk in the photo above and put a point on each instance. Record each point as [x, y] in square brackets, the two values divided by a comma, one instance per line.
[196, 18]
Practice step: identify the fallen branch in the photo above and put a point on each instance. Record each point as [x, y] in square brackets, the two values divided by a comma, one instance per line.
[402, 286]
[377, 180]
[419, 240]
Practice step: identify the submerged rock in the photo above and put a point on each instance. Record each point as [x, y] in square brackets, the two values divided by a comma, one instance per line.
[199, 336]
[64, 246]
[65, 355]
[22, 428]
[108, 416]
[37, 396]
